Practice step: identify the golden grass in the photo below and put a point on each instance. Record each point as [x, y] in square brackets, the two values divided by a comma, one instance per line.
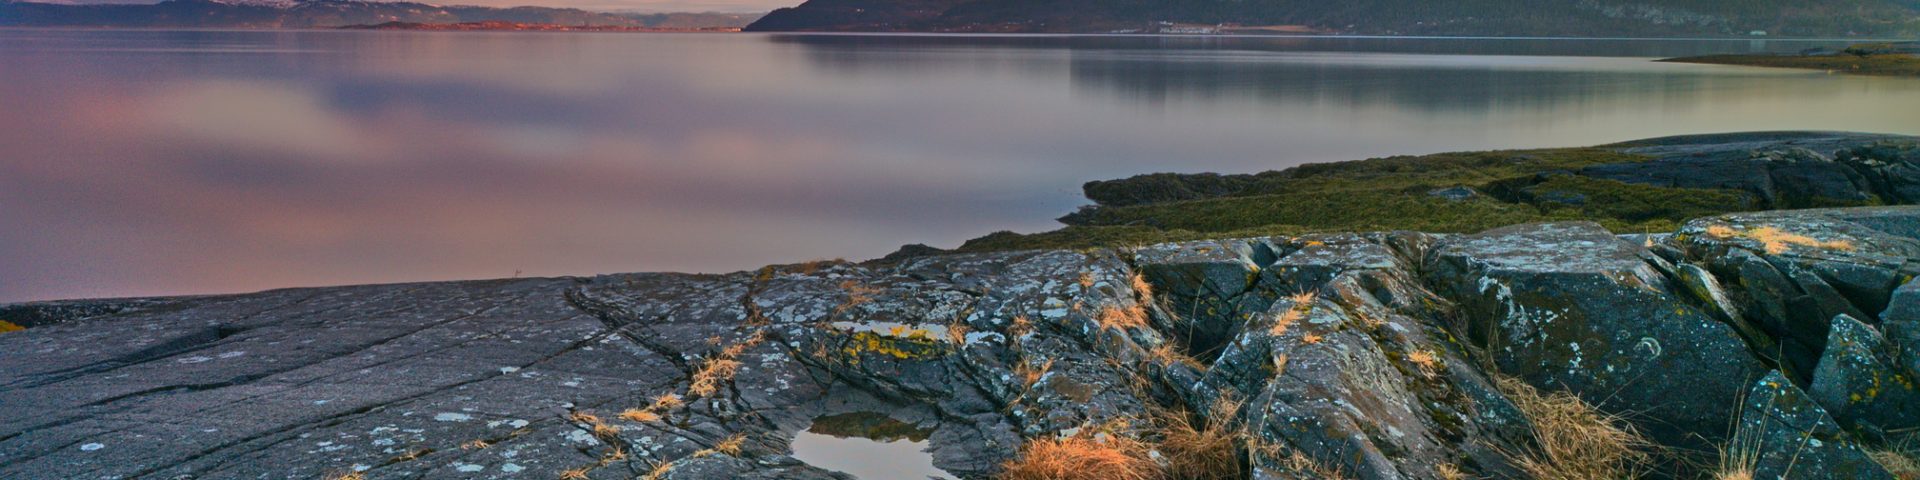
[1142, 289]
[1311, 339]
[1208, 449]
[1122, 318]
[711, 375]
[1302, 305]
[1082, 457]
[346, 476]
[1020, 326]
[1902, 465]
[476, 445]
[6, 326]
[1029, 374]
[1166, 354]
[957, 332]
[731, 445]
[1447, 471]
[1739, 457]
[665, 402]
[659, 471]
[1300, 463]
[640, 416]
[1576, 441]
[857, 294]
[576, 474]
[1425, 361]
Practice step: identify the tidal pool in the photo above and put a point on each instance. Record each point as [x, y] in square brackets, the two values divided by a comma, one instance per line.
[869, 446]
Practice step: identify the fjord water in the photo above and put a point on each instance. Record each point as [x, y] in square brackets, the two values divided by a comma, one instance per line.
[173, 162]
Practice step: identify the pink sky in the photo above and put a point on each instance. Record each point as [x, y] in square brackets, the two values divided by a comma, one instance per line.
[735, 6]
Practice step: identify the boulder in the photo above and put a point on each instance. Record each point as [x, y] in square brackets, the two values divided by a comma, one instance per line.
[1860, 384]
[1786, 435]
[1570, 306]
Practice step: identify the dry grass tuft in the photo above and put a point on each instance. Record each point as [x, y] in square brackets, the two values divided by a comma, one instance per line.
[957, 332]
[1300, 463]
[1777, 241]
[1902, 465]
[1166, 354]
[1447, 471]
[1739, 456]
[1142, 289]
[659, 471]
[1086, 279]
[576, 474]
[711, 375]
[1082, 457]
[346, 476]
[1311, 339]
[1020, 326]
[640, 416]
[1425, 361]
[731, 445]
[857, 294]
[1208, 449]
[666, 402]
[476, 445]
[1576, 441]
[1123, 318]
[1030, 375]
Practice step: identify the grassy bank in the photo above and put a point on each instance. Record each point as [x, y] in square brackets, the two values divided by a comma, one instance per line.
[1396, 193]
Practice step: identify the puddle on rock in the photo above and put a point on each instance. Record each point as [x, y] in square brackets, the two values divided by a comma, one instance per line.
[869, 446]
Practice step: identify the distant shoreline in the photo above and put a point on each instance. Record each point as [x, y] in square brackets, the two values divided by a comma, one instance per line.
[529, 27]
[1878, 59]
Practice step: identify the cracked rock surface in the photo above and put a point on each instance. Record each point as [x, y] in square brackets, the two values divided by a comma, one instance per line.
[1374, 354]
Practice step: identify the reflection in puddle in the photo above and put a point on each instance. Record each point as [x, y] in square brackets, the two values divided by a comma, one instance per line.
[869, 446]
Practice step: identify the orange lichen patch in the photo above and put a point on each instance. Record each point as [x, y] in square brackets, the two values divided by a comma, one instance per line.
[1776, 241]
[6, 326]
[1115, 317]
[638, 415]
[1082, 457]
[1142, 289]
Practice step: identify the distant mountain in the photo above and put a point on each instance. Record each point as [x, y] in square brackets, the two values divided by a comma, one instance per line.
[1386, 17]
[330, 13]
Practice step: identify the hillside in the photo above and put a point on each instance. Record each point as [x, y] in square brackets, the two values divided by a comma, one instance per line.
[1385, 17]
[330, 13]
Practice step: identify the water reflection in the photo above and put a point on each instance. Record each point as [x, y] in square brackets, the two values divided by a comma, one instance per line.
[869, 446]
[164, 162]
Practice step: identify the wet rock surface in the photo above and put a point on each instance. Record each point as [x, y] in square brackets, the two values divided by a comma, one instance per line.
[1374, 355]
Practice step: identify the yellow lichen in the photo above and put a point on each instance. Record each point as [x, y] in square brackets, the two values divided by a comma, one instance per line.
[6, 326]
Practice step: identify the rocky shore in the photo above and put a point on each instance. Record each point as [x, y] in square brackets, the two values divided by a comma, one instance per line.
[1788, 340]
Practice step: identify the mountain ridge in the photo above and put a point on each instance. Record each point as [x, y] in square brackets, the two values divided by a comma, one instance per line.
[1380, 17]
[331, 13]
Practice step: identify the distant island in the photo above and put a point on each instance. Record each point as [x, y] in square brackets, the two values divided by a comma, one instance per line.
[340, 13]
[499, 26]
[1885, 59]
[1563, 18]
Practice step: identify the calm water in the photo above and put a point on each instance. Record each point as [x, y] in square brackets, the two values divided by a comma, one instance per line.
[168, 162]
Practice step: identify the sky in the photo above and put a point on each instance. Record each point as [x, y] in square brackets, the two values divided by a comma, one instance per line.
[729, 6]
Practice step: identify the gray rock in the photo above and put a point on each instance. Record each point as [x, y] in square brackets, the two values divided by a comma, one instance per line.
[1570, 306]
[1859, 383]
[1788, 436]
[1901, 323]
